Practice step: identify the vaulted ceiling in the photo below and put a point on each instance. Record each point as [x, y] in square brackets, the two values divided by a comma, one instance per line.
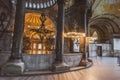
[105, 18]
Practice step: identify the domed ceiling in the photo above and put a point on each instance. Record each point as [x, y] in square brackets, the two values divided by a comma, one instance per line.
[39, 4]
[33, 22]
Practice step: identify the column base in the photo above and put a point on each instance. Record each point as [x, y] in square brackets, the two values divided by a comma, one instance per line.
[83, 62]
[60, 67]
[13, 67]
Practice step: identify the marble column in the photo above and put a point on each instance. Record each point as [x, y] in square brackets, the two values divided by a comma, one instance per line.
[15, 65]
[87, 14]
[59, 64]
[84, 59]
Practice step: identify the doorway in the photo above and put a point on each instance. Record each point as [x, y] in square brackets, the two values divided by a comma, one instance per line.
[99, 51]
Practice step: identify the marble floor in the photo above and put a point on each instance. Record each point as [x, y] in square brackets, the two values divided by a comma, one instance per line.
[104, 68]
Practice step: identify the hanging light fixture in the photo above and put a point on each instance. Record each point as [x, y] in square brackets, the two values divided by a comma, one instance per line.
[75, 33]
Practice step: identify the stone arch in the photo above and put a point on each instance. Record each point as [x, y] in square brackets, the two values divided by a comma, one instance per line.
[108, 23]
[111, 18]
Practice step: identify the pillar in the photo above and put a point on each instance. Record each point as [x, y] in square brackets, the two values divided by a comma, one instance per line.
[15, 65]
[59, 64]
[86, 11]
[84, 58]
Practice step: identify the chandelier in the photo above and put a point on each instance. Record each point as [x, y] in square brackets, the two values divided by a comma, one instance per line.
[74, 34]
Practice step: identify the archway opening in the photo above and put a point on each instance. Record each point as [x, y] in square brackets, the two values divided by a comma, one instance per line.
[39, 34]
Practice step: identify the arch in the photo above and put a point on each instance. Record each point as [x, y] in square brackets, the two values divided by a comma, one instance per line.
[113, 27]
[102, 26]
[108, 23]
[102, 35]
[111, 18]
[38, 32]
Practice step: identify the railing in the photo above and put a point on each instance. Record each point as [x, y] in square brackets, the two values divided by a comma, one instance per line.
[38, 61]
[45, 61]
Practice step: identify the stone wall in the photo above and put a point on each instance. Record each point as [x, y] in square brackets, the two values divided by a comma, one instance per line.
[73, 59]
[38, 61]
[43, 62]
[106, 49]
[5, 42]
[4, 56]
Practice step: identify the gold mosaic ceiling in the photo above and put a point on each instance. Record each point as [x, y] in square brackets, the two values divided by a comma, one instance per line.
[33, 19]
[106, 6]
[33, 22]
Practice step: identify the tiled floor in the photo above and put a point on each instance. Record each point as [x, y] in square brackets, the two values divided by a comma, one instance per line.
[104, 68]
